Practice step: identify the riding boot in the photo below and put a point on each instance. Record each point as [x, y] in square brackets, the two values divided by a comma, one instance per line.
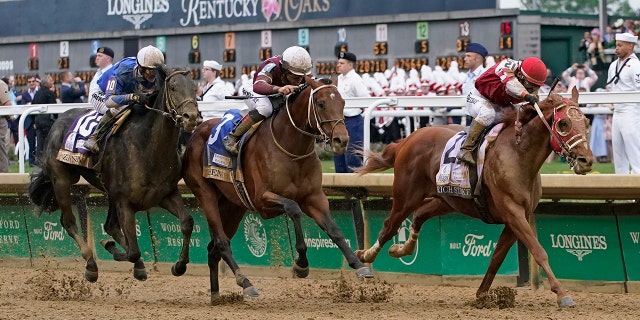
[91, 144]
[471, 142]
[230, 141]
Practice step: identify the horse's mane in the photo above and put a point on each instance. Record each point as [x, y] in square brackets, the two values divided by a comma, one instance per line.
[309, 82]
[528, 113]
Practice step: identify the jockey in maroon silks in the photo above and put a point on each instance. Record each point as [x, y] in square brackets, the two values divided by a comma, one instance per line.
[504, 84]
[278, 74]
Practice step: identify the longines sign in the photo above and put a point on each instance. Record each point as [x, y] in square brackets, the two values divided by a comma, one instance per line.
[113, 15]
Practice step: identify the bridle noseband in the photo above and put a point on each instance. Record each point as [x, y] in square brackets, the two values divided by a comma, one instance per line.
[311, 111]
[171, 107]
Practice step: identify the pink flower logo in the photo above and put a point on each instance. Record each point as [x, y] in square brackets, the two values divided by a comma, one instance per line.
[270, 8]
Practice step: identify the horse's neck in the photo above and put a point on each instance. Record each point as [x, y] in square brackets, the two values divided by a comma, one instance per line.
[290, 138]
[533, 148]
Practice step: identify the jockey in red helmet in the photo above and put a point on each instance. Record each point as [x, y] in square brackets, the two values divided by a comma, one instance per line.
[505, 84]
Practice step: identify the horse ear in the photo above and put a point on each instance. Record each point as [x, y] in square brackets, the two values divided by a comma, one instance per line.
[574, 94]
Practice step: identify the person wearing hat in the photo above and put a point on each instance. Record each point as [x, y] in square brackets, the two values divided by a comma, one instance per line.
[503, 85]
[5, 100]
[624, 75]
[474, 62]
[215, 89]
[350, 85]
[104, 61]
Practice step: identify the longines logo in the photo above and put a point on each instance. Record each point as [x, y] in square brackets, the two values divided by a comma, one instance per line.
[578, 245]
[136, 11]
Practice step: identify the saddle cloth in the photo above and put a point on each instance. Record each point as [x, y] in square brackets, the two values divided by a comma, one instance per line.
[217, 162]
[453, 177]
[72, 150]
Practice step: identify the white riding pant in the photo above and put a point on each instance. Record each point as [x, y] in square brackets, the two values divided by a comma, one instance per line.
[260, 103]
[481, 109]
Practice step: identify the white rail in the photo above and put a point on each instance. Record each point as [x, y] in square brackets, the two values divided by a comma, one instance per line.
[369, 104]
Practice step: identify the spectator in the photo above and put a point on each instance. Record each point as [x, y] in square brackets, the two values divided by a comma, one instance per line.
[608, 38]
[71, 92]
[624, 75]
[474, 61]
[215, 89]
[5, 100]
[350, 85]
[104, 61]
[597, 139]
[12, 120]
[25, 99]
[584, 45]
[596, 53]
[583, 77]
[43, 122]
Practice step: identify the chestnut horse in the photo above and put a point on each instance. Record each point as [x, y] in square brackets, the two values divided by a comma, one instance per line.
[282, 174]
[510, 181]
[140, 169]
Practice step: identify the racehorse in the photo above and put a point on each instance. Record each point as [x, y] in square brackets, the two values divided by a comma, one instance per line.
[510, 180]
[139, 169]
[282, 174]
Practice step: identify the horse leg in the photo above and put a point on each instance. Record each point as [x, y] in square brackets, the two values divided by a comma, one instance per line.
[430, 208]
[213, 260]
[175, 205]
[506, 240]
[62, 191]
[112, 228]
[317, 207]
[523, 232]
[293, 211]
[127, 219]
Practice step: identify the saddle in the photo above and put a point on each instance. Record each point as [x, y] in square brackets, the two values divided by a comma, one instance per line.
[72, 150]
[219, 164]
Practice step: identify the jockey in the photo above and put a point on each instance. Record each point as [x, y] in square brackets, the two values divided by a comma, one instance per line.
[120, 84]
[502, 85]
[278, 74]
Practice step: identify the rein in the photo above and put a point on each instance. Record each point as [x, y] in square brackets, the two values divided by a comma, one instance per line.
[311, 106]
[170, 106]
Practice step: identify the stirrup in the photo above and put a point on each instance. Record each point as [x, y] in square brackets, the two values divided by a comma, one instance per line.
[466, 156]
[91, 145]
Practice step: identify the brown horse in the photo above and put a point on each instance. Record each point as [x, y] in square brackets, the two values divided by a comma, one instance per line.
[140, 169]
[282, 174]
[510, 182]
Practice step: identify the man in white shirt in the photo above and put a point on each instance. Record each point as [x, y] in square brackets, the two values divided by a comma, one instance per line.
[624, 75]
[474, 62]
[215, 89]
[104, 61]
[350, 85]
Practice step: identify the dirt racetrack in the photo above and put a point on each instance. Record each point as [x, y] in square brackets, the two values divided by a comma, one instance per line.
[54, 292]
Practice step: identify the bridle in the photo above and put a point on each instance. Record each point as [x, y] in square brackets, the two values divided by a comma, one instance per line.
[171, 106]
[563, 142]
[312, 113]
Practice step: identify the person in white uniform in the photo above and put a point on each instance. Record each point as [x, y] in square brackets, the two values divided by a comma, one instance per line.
[624, 75]
[104, 61]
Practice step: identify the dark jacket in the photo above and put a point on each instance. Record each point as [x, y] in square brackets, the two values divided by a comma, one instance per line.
[44, 96]
[69, 94]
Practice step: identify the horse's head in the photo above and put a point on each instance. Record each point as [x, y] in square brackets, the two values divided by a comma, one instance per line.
[328, 107]
[178, 96]
[569, 131]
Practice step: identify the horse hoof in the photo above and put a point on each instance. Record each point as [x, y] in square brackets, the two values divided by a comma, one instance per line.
[178, 271]
[215, 299]
[140, 274]
[250, 292]
[566, 302]
[300, 272]
[91, 276]
[396, 251]
[364, 272]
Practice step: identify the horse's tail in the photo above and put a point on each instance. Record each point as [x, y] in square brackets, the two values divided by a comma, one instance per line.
[41, 192]
[379, 161]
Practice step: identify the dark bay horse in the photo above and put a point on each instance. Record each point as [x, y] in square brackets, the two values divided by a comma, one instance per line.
[140, 169]
[282, 174]
[510, 181]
